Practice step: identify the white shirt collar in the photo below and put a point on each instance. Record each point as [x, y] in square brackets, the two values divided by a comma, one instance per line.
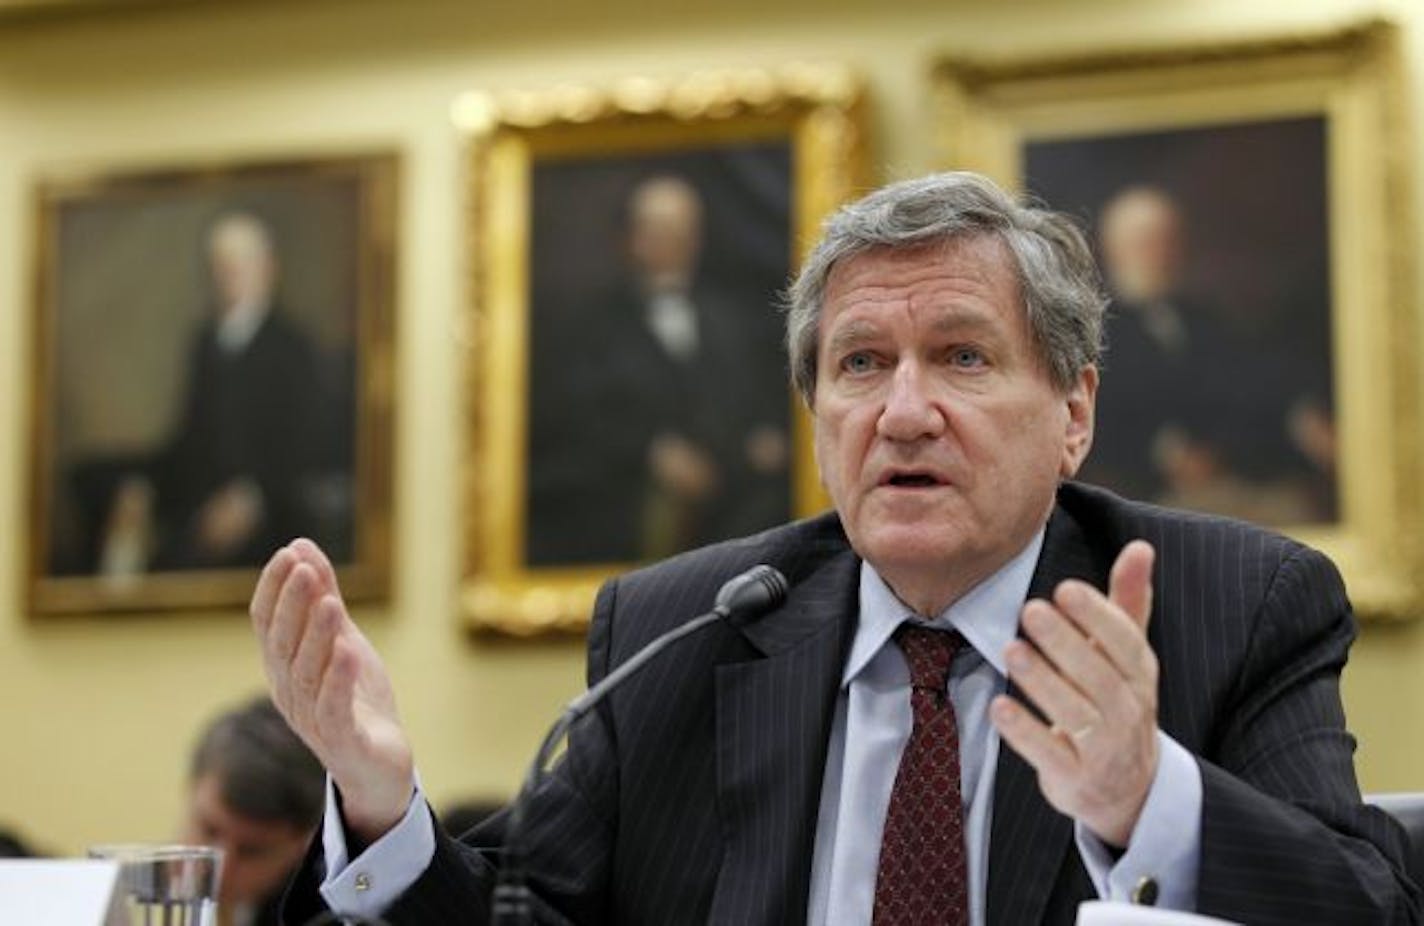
[239, 326]
[987, 615]
[672, 317]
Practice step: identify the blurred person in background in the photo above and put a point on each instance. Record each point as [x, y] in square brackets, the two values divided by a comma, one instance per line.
[12, 846]
[256, 792]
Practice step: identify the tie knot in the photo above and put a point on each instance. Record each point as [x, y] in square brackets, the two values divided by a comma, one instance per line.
[929, 653]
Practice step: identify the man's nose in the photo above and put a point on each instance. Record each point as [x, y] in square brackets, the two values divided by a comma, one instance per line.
[910, 411]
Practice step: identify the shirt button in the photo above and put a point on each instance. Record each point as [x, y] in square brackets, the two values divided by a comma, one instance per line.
[1144, 892]
[363, 882]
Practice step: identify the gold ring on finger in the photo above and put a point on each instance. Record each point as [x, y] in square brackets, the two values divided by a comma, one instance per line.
[1074, 736]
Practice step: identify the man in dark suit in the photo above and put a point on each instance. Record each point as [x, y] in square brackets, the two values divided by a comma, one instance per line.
[1195, 412]
[990, 695]
[227, 486]
[679, 438]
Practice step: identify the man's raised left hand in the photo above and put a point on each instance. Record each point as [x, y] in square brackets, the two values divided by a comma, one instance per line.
[1092, 673]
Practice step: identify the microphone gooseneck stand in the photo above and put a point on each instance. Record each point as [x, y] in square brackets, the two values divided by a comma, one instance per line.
[741, 600]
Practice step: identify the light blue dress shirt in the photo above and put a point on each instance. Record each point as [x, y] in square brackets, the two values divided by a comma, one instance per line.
[367, 885]
[872, 724]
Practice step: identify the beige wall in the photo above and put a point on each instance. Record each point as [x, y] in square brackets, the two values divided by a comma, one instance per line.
[96, 713]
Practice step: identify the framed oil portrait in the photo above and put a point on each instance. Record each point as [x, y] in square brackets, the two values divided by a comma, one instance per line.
[213, 353]
[1243, 203]
[629, 389]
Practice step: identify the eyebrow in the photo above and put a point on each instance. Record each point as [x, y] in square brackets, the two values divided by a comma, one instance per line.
[860, 331]
[852, 334]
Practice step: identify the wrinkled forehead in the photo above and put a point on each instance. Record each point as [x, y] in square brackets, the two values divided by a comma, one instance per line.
[978, 258]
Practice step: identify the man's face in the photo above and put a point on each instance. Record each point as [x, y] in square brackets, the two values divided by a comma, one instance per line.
[939, 434]
[666, 234]
[258, 855]
[1141, 239]
[242, 266]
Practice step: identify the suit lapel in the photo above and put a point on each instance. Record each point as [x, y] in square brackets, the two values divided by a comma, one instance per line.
[773, 720]
[1028, 838]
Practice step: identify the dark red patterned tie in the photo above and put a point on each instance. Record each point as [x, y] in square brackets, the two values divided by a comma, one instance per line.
[923, 878]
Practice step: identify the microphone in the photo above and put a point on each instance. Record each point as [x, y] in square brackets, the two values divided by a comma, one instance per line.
[740, 601]
[748, 596]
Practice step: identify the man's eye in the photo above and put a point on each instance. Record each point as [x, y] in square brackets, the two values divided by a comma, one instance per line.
[966, 357]
[858, 362]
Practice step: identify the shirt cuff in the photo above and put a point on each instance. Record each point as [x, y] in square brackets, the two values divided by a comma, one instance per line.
[367, 886]
[1164, 851]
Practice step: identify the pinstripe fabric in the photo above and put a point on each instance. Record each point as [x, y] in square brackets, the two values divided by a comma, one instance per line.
[692, 796]
[1251, 630]
[1029, 840]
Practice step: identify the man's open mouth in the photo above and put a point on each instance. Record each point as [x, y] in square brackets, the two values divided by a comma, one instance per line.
[912, 480]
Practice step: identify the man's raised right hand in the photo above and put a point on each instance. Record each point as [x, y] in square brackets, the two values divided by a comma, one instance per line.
[332, 688]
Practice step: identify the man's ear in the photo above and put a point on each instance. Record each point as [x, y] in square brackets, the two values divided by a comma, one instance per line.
[1081, 402]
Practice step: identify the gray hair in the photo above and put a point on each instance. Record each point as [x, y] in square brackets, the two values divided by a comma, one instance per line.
[1062, 291]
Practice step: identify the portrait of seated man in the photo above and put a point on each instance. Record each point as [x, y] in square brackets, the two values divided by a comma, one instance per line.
[660, 417]
[988, 694]
[242, 466]
[1218, 396]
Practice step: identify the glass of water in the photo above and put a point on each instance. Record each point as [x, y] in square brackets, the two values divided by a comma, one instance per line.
[166, 885]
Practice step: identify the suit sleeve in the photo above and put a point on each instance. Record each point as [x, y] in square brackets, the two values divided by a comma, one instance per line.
[1285, 838]
[568, 827]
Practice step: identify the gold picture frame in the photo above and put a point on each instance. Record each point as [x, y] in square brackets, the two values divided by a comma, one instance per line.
[164, 332]
[1068, 122]
[805, 121]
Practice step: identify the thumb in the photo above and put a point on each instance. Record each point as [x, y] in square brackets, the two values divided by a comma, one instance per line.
[1130, 585]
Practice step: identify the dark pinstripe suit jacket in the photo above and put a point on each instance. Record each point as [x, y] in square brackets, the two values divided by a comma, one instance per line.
[693, 797]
